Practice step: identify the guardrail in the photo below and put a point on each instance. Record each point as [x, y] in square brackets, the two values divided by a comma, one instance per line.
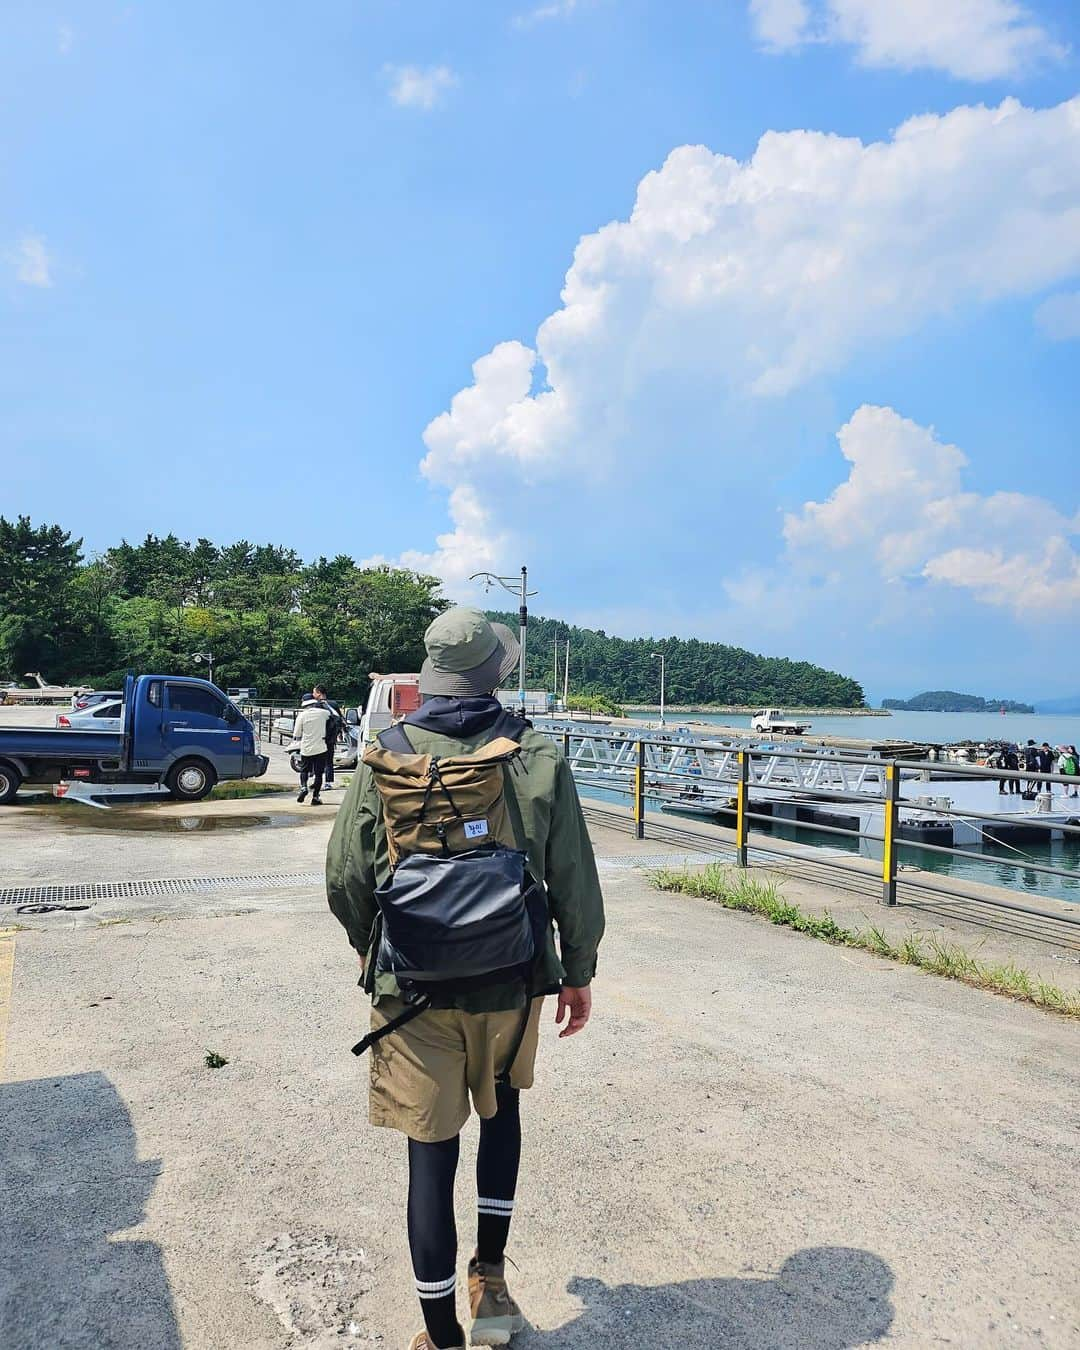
[721, 783]
[264, 715]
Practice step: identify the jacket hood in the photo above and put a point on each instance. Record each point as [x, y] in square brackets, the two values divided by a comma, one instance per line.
[456, 717]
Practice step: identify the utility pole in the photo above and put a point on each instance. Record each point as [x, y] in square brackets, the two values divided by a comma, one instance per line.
[663, 673]
[523, 593]
[555, 686]
[566, 678]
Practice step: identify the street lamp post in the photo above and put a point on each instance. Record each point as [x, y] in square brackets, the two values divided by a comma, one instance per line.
[663, 664]
[521, 589]
[208, 657]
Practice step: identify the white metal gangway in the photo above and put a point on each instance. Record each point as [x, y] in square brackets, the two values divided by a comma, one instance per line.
[682, 764]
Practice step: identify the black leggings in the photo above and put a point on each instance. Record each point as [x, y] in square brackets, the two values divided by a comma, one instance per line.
[312, 765]
[432, 1230]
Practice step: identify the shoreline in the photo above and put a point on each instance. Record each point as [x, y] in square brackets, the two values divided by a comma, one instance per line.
[749, 708]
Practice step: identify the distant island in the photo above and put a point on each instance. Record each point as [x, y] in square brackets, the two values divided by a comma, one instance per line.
[948, 700]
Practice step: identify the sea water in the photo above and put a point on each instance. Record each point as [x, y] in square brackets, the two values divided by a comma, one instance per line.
[993, 864]
[926, 727]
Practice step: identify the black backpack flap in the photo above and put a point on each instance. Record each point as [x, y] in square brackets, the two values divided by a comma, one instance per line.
[396, 738]
[458, 917]
[536, 903]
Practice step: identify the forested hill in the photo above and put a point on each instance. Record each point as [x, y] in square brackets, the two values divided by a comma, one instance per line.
[697, 672]
[273, 621]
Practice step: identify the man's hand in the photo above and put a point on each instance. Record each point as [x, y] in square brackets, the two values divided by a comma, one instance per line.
[578, 1004]
[363, 961]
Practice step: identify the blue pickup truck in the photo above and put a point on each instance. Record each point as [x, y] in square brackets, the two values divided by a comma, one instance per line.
[178, 731]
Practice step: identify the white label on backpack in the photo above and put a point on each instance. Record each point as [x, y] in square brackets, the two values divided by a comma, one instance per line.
[475, 829]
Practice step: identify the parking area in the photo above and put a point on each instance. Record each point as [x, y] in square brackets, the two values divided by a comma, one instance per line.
[761, 1141]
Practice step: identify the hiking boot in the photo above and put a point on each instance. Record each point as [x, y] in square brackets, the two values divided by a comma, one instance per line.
[316, 801]
[301, 794]
[422, 1341]
[496, 1317]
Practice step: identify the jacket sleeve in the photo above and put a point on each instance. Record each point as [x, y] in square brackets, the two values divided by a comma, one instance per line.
[577, 903]
[352, 860]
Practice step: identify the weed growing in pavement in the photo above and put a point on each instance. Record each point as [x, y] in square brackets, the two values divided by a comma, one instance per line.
[735, 889]
[214, 1061]
[232, 792]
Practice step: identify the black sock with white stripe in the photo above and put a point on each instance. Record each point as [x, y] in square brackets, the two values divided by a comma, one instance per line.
[496, 1175]
[433, 1237]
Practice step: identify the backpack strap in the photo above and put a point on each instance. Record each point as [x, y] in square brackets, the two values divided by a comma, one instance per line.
[519, 1037]
[514, 811]
[411, 1011]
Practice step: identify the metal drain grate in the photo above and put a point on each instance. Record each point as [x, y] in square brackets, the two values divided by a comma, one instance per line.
[130, 890]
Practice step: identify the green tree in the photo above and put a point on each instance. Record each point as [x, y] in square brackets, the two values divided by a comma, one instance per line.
[37, 568]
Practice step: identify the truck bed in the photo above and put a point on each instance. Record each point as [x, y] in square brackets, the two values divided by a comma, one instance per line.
[54, 743]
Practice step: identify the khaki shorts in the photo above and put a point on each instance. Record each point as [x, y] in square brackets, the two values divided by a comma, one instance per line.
[422, 1074]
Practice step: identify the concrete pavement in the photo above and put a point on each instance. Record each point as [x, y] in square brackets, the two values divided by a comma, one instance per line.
[760, 1141]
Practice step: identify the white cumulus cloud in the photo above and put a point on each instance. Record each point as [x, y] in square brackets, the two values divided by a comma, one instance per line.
[30, 258]
[904, 514]
[475, 544]
[420, 87]
[1059, 316]
[690, 335]
[781, 24]
[969, 39]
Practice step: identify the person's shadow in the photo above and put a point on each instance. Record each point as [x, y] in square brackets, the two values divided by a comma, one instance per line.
[822, 1298]
[70, 1177]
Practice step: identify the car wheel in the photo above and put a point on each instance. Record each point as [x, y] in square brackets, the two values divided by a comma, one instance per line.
[296, 763]
[190, 780]
[10, 781]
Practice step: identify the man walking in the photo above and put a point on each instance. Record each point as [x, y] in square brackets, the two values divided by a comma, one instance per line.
[309, 730]
[334, 726]
[480, 1044]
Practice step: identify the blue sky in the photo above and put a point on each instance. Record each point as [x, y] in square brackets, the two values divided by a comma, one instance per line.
[246, 247]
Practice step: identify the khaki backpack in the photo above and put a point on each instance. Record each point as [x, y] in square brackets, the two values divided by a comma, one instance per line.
[443, 805]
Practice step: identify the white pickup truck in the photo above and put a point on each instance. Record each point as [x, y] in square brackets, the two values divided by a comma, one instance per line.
[773, 721]
[391, 698]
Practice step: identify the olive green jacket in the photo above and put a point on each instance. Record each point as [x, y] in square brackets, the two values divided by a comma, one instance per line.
[559, 851]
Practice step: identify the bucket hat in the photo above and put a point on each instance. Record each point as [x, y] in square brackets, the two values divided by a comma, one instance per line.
[467, 655]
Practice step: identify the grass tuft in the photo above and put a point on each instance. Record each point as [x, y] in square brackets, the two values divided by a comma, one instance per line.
[736, 889]
[233, 792]
[213, 1060]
